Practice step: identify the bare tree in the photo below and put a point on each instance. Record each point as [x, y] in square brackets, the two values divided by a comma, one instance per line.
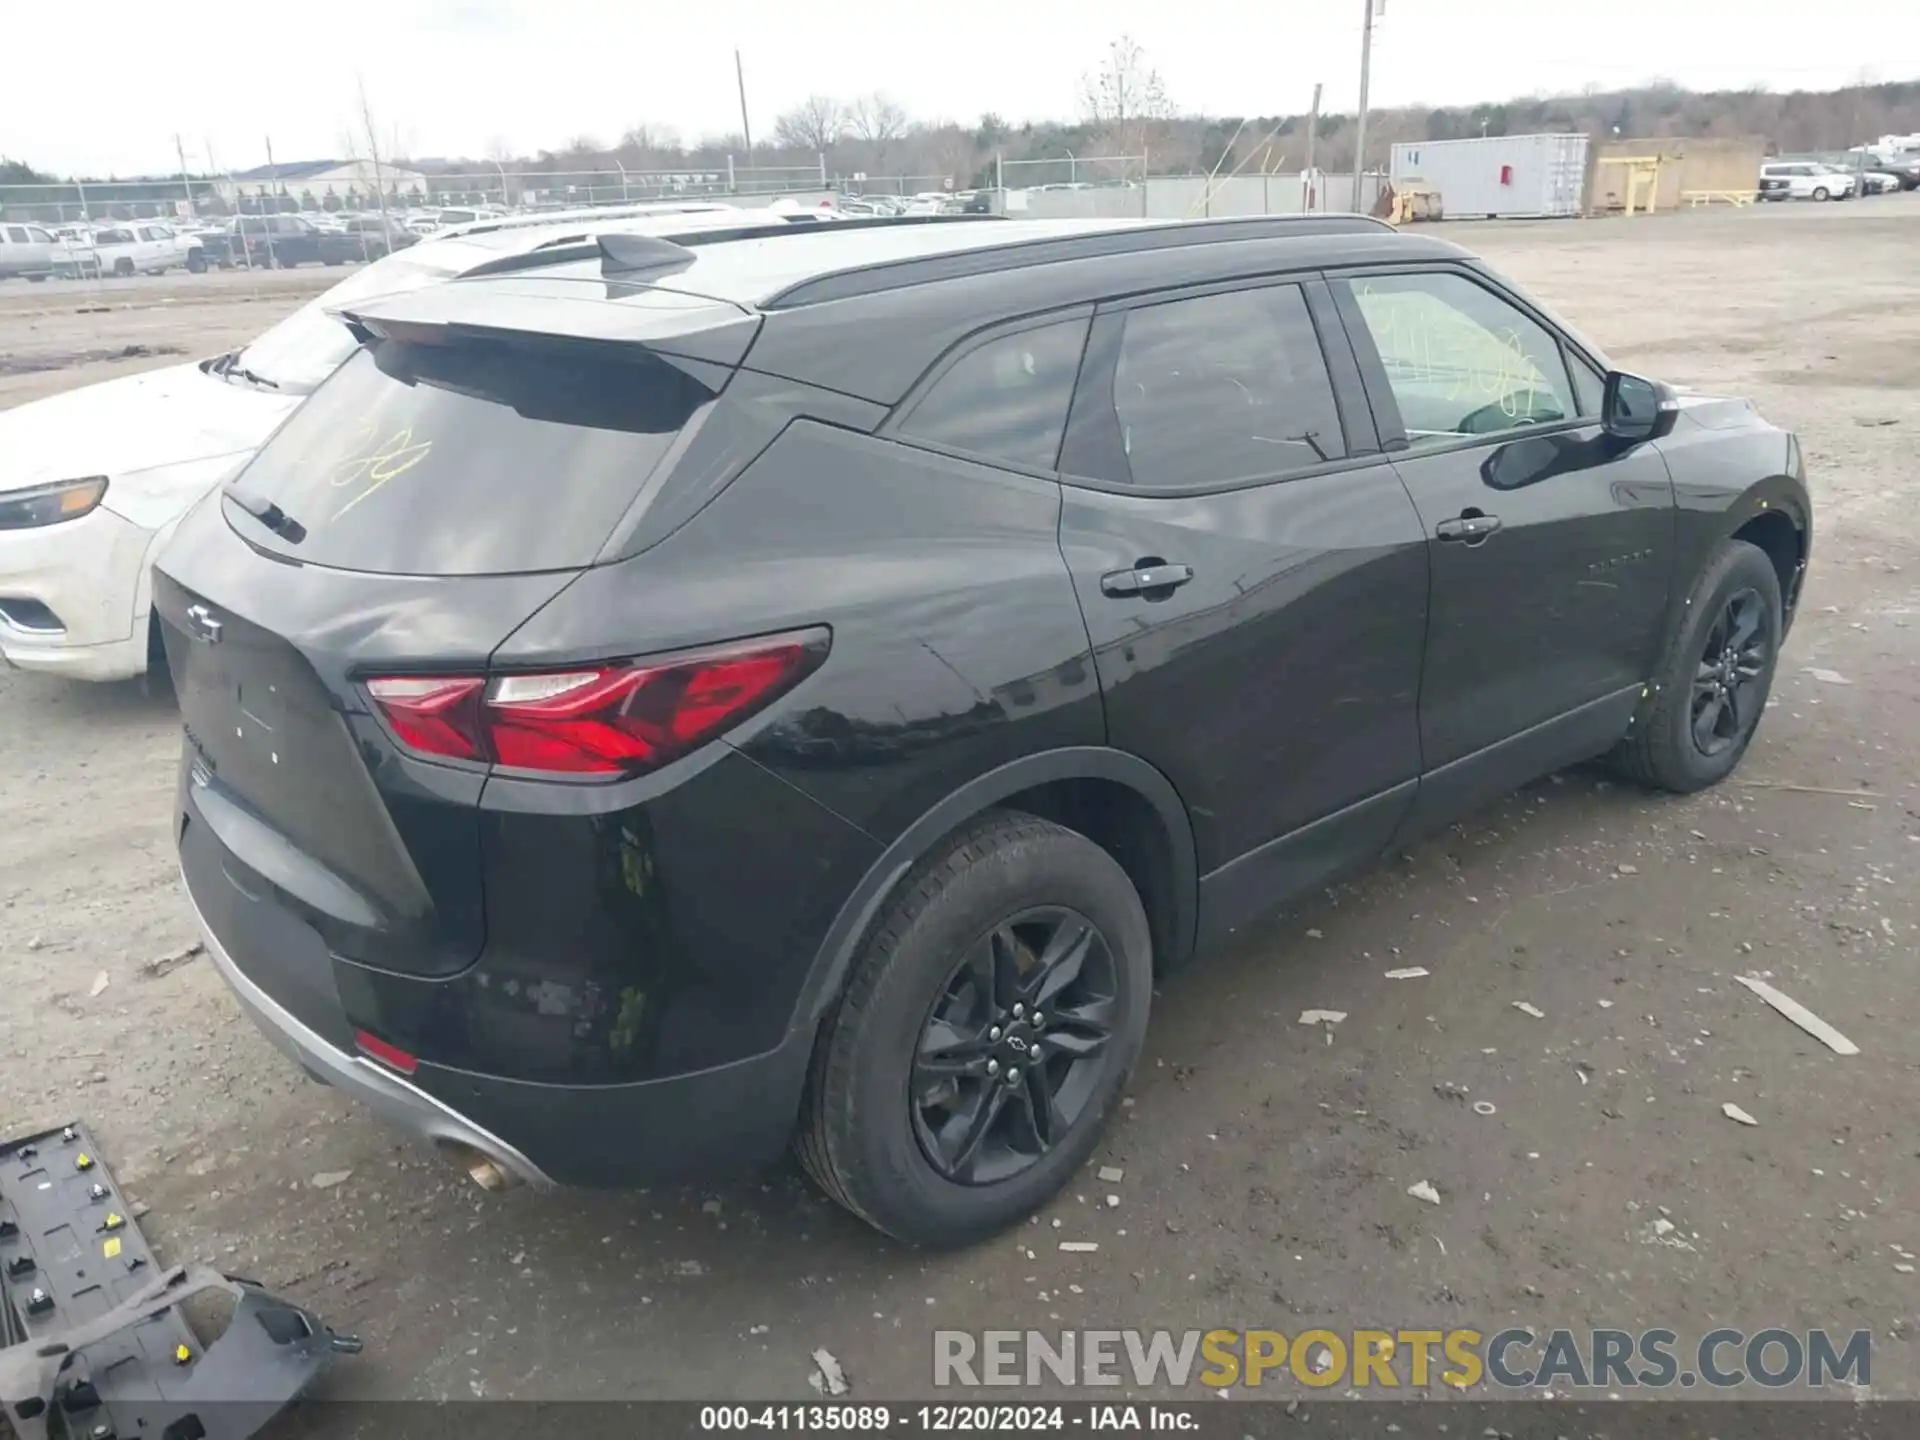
[373, 151]
[877, 119]
[1124, 97]
[815, 125]
[953, 151]
[650, 146]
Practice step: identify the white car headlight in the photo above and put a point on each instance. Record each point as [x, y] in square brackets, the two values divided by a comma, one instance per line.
[51, 504]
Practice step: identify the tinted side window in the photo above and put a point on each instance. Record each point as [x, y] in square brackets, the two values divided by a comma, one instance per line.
[17, 234]
[1222, 388]
[1461, 360]
[1006, 398]
[34, 232]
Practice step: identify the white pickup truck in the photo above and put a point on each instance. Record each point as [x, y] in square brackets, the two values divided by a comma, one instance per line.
[139, 247]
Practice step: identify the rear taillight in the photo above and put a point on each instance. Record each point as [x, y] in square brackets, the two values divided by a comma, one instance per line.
[613, 719]
[437, 715]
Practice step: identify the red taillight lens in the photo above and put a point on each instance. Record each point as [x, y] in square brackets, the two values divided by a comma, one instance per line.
[436, 715]
[600, 720]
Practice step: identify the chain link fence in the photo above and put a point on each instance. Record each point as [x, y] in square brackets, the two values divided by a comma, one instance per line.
[352, 187]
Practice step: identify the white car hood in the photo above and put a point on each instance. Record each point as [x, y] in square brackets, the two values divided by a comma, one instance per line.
[120, 428]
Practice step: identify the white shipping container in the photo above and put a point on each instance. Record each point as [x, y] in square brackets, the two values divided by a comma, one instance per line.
[1500, 175]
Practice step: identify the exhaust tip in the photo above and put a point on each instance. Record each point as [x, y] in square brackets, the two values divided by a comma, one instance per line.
[486, 1172]
[488, 1176]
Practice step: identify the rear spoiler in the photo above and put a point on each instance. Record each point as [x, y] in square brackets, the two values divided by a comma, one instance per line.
[618, 311]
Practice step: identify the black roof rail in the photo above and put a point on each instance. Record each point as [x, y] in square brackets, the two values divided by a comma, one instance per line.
[1172, 234]
[592, 245]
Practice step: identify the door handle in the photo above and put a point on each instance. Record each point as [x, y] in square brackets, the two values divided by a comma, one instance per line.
[1473, 528]
[1149, 575]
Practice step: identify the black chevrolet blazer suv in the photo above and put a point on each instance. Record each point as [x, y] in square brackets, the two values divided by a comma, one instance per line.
[662, 702]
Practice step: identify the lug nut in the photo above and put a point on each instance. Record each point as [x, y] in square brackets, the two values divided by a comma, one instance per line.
[1013, 1074]
[994, 1033]
[993, 1067]
[1018, 1010]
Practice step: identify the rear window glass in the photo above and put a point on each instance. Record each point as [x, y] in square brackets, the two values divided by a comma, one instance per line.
[466, 459]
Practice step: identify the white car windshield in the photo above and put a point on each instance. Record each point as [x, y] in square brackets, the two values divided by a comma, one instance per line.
[309, 345]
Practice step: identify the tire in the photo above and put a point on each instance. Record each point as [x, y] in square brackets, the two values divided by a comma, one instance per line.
[1820, 192]
[123, 269]
[1661, 750]
[196, 263]
[864, 1134]
[35, 279]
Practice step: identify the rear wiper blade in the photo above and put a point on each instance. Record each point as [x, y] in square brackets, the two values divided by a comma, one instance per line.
[252, 376]
[267, 513]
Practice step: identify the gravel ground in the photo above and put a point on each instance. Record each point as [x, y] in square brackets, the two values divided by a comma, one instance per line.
[1266, 1163]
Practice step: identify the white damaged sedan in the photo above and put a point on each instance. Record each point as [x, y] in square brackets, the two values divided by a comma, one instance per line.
[93, 481]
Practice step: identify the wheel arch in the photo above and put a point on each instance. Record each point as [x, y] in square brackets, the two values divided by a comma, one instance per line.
[1119, 801]
[1775, 516]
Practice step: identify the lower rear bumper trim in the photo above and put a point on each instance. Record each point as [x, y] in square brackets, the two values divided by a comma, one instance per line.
[401, 1104]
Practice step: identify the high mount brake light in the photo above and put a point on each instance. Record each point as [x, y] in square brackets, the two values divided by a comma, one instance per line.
[610, 719]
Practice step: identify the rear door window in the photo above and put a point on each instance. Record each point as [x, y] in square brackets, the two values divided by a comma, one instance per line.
[17, 234]
[1007, 398]
[1223, 388]
[466, 459]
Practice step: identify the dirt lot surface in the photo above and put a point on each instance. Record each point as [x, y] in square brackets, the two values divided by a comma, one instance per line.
[1267, 1163]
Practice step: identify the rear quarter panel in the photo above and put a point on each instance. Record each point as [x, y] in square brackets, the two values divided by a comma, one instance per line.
[709, 887]
[957, 641]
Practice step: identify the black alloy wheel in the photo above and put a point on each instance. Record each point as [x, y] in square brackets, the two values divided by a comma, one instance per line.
[1703, 703]
[1014, 1046]
[1726, 681]
[985, 1035]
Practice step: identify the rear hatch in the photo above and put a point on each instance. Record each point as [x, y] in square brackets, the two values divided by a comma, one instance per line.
[446, 483]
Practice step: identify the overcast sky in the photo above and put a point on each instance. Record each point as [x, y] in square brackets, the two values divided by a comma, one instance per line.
[455, 77]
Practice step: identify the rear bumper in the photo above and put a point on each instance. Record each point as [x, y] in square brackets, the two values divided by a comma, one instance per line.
[388, 1095]
[729, 1118]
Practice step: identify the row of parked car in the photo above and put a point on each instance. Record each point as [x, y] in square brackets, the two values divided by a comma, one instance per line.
[148, 247]
[1830, 180]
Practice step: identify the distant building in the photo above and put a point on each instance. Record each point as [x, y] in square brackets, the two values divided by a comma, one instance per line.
[319, 178]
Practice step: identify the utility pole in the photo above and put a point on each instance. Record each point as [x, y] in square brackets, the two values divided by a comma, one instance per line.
[746, 125]
[1313, 134]
[1366, 72]
[213, 168]
[187, 184]
[273, 189]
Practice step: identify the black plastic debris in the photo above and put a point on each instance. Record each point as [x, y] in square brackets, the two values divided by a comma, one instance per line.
[95, 1341]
